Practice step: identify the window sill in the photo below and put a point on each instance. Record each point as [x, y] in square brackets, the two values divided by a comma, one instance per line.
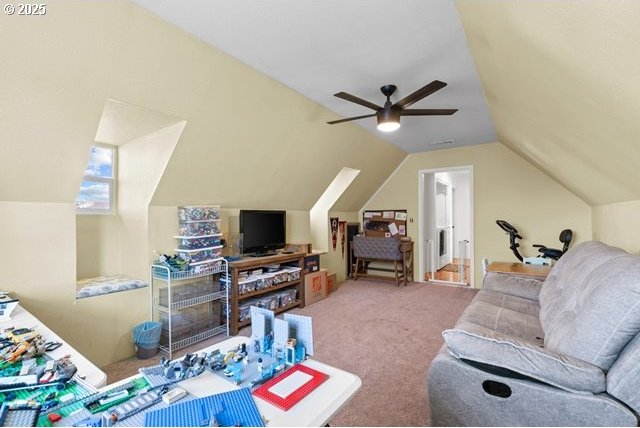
[99, 286]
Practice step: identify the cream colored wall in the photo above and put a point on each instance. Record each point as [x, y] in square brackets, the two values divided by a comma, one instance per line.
[561, 82]
[505, 186]
[618, 225]
[98, 244]
[142, 163]
[250, 142]
[269, 145]
[37, 241]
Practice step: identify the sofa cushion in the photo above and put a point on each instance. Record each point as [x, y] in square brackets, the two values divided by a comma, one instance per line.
[476, 343]
[590, 303]
[514, 285]
[506, 301]
[504, 314]
[623, 379]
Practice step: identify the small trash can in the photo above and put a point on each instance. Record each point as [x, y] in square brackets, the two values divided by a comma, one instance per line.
[146, 338]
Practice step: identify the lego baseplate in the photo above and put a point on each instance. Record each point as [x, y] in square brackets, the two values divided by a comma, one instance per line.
[19, 415]
[155, 375]
[233, 408]
[75, 413]
[286, 389]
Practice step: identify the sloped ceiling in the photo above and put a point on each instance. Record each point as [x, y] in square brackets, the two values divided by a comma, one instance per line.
[562, 83]
[322, 47]
[249, 141]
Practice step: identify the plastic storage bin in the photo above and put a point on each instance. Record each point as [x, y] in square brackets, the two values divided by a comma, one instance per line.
[280, 276]
[293, 273]
[198, 213]
[181, 326]
[201, 228]
[244, 311]
[197, 242]
[264, 280]
[207, 315]
[200, 256]
[247, 285]
[184, 292]
[270, 302]
[287, 297]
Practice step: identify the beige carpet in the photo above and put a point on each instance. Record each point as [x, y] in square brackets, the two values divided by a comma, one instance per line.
[385, 334]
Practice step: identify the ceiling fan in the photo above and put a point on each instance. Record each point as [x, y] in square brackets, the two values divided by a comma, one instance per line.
[389, 116]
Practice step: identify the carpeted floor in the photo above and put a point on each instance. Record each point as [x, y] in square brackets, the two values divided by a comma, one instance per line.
[385, 334]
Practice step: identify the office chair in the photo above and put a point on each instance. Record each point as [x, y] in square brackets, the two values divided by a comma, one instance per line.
[553, 253]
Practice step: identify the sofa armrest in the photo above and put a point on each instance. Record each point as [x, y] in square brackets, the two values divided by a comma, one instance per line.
[515, 285]
[473, 342]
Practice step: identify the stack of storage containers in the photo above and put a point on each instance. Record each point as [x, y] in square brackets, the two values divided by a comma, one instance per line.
[199, 238]
[277, 274]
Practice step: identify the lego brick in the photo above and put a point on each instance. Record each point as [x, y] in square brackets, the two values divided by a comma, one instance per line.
[233, 408]
[302, 328]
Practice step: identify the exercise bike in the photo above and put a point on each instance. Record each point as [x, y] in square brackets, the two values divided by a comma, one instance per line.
[549, 253]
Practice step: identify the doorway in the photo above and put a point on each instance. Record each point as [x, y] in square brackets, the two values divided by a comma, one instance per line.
[446, 225]
[352, 230]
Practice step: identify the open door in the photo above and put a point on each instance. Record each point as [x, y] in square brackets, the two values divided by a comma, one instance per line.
[446, 225]
[428, 232]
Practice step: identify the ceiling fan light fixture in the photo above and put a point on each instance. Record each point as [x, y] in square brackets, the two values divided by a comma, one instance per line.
[388, 120]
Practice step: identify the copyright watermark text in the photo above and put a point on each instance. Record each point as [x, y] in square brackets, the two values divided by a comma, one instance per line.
[25, 9]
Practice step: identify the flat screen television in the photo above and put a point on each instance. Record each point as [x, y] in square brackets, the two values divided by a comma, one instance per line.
[263, 232]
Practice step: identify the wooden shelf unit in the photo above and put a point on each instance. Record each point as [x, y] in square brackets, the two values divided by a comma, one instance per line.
[277, 311]
[252, 263]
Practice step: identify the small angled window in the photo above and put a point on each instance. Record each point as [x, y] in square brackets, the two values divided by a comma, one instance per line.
[98, 189]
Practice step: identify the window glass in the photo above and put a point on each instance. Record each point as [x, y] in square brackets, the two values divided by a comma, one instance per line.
[94, 195]
[98, 189]
[100, 163]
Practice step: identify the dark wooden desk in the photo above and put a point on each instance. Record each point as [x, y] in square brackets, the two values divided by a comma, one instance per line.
[519, 269]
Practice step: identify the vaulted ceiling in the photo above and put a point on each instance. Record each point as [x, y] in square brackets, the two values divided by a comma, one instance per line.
[561, 80]
[319, 48]
[556, 81]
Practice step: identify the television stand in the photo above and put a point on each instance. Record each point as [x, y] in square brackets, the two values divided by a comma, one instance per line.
[250, 264]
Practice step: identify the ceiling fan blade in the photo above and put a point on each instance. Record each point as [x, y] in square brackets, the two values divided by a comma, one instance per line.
[354, 99]
[333, 122]
[428, 112]
[420, 94]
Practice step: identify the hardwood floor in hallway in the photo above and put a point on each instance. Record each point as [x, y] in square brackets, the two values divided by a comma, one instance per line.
[451, 273]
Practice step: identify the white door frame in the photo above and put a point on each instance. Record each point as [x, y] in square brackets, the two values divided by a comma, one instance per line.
[422, 220]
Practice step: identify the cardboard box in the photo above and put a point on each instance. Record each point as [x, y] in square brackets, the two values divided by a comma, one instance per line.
[315, 286]
[332, 282]
[312, 262]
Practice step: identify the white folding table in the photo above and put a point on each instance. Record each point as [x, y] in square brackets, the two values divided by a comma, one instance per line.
[90, 373]
[316, 409]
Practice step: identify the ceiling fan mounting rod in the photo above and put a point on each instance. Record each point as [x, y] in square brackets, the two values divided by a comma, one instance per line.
[388, 90]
